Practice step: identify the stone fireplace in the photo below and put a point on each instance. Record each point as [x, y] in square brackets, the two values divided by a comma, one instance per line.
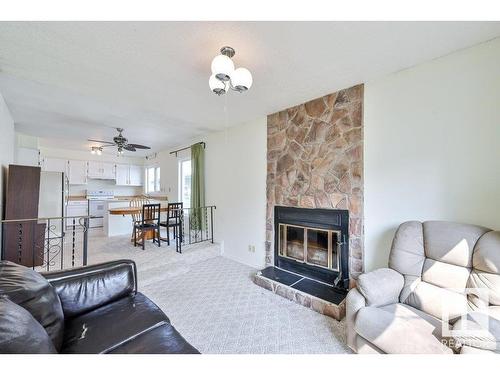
[315, 161]
[314, 218]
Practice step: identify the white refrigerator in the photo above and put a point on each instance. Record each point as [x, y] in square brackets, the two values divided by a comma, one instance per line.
[53, 199]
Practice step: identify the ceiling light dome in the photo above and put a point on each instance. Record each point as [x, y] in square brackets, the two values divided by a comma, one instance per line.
[241, 79]
[217, 86]
[222, 67]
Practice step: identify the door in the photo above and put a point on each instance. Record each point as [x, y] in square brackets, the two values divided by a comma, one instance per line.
[135, 175]
[77, 172]
[54, 165]
[122, 174]
[185, 182]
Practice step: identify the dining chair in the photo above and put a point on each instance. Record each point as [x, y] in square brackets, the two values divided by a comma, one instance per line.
[137, 202]
[174, 220]
[150, 221]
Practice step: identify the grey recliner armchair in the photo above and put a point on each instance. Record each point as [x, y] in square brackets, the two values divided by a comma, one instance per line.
[440, 294]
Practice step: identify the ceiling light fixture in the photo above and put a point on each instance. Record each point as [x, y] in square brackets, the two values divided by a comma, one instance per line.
[96, 150]
[225, 77]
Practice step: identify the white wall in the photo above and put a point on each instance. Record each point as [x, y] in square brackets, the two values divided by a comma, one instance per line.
[235, 174]
[432, 146]
[95, 184]
[7, 141]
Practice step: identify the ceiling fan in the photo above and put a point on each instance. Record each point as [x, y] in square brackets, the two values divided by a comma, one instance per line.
[121, 143]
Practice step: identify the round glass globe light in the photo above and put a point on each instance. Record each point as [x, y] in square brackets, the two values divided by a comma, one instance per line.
[222, 67]
[241, 79]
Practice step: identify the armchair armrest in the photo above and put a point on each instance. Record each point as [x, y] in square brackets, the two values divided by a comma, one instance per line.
[381, 287]
[86, 288]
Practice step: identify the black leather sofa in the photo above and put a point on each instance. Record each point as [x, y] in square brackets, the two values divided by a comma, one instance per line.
[93, 309]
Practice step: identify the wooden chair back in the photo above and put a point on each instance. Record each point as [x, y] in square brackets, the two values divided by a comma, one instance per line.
[138, 203]
[151, 214]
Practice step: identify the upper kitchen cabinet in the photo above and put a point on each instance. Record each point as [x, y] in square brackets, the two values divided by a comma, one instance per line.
[122, 174]
[77, 172]
[136, 175]
[54, 165]
[101, 170]
[128, 175]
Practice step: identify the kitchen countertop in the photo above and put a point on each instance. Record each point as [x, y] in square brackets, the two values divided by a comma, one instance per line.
[118, 198]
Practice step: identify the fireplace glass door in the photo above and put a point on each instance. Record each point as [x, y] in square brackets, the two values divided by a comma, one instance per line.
[314, 246]
[318, 246]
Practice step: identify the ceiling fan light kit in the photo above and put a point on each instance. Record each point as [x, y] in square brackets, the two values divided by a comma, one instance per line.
[120, 142]
[225, 76]
[96, 150]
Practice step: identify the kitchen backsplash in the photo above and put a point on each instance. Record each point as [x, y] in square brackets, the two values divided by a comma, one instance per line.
[105, 185]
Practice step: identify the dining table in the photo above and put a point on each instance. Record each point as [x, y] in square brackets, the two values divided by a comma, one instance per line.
[135, 211]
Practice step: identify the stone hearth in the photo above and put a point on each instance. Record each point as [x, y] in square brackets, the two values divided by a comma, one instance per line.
[315, 160]
[306, 292]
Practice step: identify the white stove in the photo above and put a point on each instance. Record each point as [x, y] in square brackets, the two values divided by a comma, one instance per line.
[100, 195]
[97, 205]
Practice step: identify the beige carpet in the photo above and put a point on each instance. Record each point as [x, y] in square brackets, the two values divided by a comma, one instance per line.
[215, 305]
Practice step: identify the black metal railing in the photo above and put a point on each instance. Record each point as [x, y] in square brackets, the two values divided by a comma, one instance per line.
[197, 225]
[46, 244]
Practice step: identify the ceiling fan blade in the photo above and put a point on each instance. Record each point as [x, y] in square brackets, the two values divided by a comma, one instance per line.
[139, 146]
[129, 148]
[95, 140]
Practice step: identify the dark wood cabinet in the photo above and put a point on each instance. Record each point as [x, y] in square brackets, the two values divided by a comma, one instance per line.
[23, 242]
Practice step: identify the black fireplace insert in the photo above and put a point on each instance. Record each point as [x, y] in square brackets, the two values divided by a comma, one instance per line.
[313, 242]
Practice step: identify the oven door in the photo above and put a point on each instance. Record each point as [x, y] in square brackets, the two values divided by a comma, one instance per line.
[97, 208]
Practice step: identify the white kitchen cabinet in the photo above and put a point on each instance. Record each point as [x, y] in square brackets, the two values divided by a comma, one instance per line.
[136, 175]
[101, 170]
[128, 175]
[76, 208]
[77, 172]
[27, 156]
[122, 174]
[54, 165]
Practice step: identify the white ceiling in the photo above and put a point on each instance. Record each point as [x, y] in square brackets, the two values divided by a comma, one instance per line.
[69, 81]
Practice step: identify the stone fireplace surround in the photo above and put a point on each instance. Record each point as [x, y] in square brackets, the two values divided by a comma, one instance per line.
[315, 160]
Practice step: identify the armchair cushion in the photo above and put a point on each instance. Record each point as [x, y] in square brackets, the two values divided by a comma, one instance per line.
[399, 329]
[84, 289]
[479, 329]
[20, 332]
[381, 287]
[32, 292]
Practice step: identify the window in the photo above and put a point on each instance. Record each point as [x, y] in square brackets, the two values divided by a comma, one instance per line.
[185, 182]
[152, 179]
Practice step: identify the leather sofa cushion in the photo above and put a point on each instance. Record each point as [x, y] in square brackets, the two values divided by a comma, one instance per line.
[109, 326]
[20, 332]
[163, 339]
[385, 327]
[83, 289]
[34, 293]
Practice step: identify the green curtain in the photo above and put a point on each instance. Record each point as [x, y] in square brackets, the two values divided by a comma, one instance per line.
[197, 185]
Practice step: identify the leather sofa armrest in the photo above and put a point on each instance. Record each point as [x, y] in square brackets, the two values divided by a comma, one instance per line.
[83, 289]
[381, 287]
